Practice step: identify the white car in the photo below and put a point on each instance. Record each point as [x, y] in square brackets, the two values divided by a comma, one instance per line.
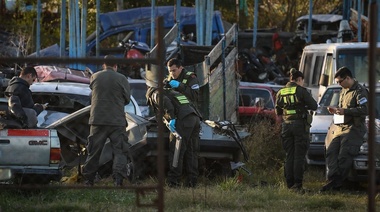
[65, 98]
[319, 127]
[138, 91]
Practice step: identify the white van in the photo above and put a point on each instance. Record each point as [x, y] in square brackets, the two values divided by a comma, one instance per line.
[319, 63]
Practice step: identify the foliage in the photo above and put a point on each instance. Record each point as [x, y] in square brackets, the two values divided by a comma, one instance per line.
[264, 144]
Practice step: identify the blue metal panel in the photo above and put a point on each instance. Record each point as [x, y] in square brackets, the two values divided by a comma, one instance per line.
[97, 27]
[255, 17]
[209, 19]
[152, 27]
[310, 21]
[71, 29]
[378, 20]
[62, 41]
[77, 28]
[178, 19]
[359, 34]
[38, 30]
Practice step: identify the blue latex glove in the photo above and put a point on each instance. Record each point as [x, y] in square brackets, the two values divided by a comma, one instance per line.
[174, 83]
[172, 125]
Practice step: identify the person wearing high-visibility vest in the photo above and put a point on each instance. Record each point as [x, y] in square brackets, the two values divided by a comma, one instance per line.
[182, 119]
[185, 82]
[293, 103]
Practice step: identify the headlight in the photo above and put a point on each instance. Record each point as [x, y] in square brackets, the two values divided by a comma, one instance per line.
[364, 148]
[318, 138]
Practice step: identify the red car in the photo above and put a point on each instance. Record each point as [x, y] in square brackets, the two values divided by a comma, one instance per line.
[257, 101]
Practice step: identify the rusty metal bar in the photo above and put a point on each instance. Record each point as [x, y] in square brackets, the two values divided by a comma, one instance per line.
[160, 141]
[372, 42]
[68, 60]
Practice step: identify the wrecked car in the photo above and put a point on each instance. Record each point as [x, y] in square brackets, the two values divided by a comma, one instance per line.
[37, 155]
[219, 145]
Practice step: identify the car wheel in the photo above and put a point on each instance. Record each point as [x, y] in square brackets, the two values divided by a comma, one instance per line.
[130, 167]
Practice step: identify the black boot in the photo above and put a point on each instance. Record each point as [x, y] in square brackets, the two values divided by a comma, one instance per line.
[118, 182]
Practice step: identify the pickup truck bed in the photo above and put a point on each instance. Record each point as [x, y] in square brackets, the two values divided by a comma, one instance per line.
[33, 155]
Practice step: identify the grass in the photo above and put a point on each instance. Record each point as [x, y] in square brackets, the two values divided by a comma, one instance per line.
[228, 194]
[264, 190]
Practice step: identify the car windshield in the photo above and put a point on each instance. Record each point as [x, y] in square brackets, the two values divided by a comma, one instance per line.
[66, 103]
[331, 98]
[248, 97]
[138, 90]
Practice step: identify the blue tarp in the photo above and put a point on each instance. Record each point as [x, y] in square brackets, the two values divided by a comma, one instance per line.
[143, 14]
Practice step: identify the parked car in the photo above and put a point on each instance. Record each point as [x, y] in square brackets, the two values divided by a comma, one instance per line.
[257, 101]
[319, 126]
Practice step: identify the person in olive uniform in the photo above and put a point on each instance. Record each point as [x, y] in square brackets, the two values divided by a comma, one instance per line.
[183, 81]
[183, 118]
[293, 103]
[348, 137]
[110, 93]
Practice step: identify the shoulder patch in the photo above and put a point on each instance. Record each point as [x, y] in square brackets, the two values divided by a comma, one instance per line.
[362, 101]
[195, 87]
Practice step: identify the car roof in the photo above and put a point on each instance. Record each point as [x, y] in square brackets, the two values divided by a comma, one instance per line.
[61, 87]
[130, 80]
[275, 88]
[365, 85]
[354, 45]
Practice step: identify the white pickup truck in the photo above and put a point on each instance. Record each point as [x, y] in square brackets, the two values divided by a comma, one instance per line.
[34, 155]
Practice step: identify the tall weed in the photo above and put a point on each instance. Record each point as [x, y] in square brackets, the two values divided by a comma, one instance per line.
[265, 150]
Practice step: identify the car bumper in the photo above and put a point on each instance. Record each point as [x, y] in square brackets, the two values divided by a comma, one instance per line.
[316, 154]
[360, 168]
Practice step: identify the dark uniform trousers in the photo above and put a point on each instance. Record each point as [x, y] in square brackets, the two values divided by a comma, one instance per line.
[295, 141]
[96, 140]
[341, 152]
[188, 128]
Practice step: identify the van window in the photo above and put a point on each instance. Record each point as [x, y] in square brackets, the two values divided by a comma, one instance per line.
[317, 69]
[329, 68]
[307, 68]
[357, 61]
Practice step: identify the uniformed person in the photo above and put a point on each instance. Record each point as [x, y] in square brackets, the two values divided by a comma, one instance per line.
[110, 92]
[185, 82]
[293, 103]
[184, 119]
[348, 137]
